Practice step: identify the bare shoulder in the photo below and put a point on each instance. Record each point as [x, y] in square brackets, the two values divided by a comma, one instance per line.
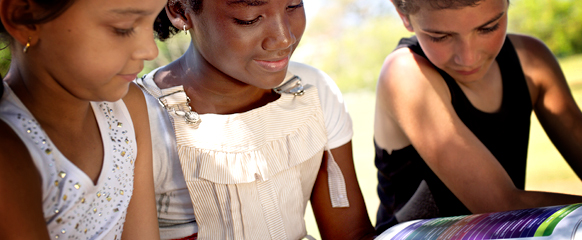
[169, 75]
[402, 62]
[408, 88]
[532, 52]
[136, 105]
[540, 66]
[406, 75]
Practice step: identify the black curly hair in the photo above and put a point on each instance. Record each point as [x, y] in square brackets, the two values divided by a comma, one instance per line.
[164, 28]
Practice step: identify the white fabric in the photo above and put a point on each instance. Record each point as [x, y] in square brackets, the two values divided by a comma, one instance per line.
[214, 156]
[175, 212]
[75, 208]
[335, 112]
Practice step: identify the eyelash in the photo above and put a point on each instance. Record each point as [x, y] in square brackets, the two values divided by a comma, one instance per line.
[124, 32]
[244, 22]
[438, 39]
[250, 22]
[300, 5]
[482, 31]
[490, 29]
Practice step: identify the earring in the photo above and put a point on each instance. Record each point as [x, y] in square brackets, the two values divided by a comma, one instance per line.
[25, 49]
[185, 32]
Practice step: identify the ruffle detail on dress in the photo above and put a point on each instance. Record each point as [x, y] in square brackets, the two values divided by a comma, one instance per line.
[258, 164]
[247, 147]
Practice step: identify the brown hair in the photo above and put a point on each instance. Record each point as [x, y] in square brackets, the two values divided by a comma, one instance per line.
[408, 7]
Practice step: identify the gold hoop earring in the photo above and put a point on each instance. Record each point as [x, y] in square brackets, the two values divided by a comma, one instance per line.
[25, 49]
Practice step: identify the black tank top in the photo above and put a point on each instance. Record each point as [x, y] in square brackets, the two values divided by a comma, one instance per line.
[409, 189]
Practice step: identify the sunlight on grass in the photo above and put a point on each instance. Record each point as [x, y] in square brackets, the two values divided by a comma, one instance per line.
[572, 67]
[547, 170]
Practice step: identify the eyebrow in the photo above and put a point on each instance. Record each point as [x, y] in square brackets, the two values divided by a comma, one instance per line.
[130, 11]
[251, 3]
[481, 26]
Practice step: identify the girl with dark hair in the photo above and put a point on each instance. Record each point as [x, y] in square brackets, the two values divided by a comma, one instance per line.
[73, 151]
[257, 136]
[453, 114]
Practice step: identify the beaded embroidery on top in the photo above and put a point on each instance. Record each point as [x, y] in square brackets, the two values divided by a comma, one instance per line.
[75, 208]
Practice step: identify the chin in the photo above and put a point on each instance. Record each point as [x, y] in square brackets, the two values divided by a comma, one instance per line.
[468, 78]
[271, 81]
[114, 96]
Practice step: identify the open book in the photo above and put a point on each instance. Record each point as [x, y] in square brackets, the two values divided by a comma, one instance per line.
[545, 223]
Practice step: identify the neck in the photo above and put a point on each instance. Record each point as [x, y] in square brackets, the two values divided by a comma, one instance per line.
[211, 90]
[52, 105]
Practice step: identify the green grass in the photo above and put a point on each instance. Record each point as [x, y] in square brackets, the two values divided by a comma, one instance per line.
[546, 169]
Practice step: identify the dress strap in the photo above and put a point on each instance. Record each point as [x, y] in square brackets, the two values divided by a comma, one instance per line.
[337, 183]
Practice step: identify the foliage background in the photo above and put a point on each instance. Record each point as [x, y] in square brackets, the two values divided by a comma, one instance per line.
[349, 39]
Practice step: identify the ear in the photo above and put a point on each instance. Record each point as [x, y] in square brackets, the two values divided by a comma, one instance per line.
[405, 20]
[14, 14]
[178, 13]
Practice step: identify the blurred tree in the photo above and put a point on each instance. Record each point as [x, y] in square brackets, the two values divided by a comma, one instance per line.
[4, 61]
[558, 23]
[169, 50]
[350, 39]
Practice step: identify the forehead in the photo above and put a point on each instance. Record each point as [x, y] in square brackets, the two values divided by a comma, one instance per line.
[120, 7]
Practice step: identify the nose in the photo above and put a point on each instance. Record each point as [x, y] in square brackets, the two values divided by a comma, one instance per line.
[466, 53]
[279, 35]
[146, 48]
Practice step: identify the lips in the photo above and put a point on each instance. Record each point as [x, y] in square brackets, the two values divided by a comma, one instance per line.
[275, 65]
[128, 77]
[468, 72]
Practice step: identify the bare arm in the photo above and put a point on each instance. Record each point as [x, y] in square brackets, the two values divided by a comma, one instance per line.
[553, 102]
[341, 223]
[20, 182]
[141, 220]
[422, 108]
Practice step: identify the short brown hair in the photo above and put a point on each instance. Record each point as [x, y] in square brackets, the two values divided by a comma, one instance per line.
[412, 6]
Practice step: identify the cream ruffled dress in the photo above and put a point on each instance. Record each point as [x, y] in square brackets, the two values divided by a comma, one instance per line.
[251, 174]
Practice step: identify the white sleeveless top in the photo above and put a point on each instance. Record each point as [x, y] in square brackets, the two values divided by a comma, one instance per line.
[251, 174]
[75, 208]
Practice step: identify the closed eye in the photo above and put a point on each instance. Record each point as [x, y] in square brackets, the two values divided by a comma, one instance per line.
[437, 39]
[124, 32]
[489, 29]
[247, 22]
[293, 7]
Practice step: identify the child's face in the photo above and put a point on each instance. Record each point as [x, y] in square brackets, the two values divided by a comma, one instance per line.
[463, 42]
[249, 40]
[97, 47]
